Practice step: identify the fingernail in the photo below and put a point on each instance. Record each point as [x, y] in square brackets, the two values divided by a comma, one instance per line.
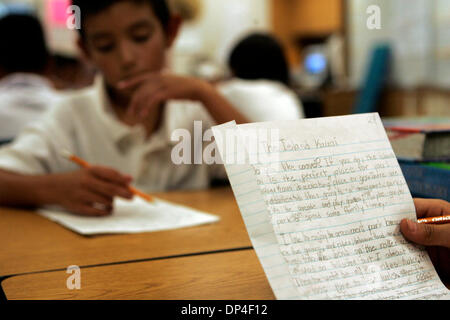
[412, 226]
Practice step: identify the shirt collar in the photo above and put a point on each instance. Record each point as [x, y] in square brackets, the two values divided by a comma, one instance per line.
[21, 79]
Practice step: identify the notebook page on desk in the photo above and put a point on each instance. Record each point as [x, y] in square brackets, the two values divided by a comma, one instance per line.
[335, 200]
[133, 217]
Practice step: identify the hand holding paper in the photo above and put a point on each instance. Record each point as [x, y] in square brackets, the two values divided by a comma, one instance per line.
[324, 217]
[436, 237]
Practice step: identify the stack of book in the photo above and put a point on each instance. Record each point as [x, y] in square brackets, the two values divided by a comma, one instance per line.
[422, 146]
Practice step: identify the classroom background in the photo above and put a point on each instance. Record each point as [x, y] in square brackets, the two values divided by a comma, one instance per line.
[328, 45]
[344, 57]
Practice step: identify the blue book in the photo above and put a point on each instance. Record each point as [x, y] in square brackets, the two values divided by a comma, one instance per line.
[426, 181]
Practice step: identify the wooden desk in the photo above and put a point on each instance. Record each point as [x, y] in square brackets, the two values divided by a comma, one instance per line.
[31, 243]
[220, 276]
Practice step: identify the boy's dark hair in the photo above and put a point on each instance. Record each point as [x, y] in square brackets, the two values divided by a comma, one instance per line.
[93, 7]
[22, 45]
[259, 56]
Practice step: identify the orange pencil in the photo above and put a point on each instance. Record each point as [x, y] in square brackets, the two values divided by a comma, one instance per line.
[435, 220]
[85, 164]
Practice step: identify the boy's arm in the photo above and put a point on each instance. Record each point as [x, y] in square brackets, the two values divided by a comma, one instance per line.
[154, 89]
[29, 166]
[22, 190]
[87, 191]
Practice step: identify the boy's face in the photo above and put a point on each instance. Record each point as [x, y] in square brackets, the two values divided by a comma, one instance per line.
[124, 41]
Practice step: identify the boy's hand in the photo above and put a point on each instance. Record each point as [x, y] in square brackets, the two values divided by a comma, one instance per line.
[90, 191]
[435, 237]
[153, 89]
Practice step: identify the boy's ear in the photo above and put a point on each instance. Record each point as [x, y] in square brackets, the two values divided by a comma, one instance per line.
[173, 28]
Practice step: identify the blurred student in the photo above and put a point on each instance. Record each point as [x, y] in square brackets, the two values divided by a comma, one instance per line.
[25, 91]
[123, 125]
[260, 84]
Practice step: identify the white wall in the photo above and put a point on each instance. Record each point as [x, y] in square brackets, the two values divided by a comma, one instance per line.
[407, 25]
[220, 25]
[441, 69]
[226, 21]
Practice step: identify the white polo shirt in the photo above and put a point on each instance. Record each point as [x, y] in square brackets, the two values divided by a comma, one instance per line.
[85, 125]
[262, 100]
[24, 98]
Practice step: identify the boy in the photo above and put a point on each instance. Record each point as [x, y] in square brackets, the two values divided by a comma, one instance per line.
[122, 124]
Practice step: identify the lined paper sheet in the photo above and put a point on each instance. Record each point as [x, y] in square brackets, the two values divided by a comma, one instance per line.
[256, 218]
[133, 217]
[332, 203]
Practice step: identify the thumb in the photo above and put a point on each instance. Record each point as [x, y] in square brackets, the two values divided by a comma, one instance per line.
[426, 234]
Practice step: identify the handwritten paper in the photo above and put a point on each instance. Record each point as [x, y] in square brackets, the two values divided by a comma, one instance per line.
[133, 217]
[256, 218]
[324, 216]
